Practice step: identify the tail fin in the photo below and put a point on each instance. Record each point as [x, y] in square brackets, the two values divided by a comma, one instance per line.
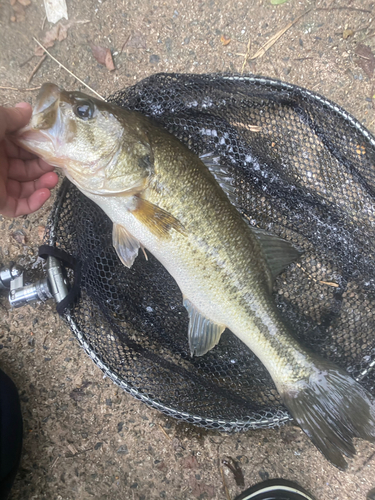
[332, 409]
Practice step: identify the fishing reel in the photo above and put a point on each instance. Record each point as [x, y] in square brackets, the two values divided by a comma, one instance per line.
[54, 286]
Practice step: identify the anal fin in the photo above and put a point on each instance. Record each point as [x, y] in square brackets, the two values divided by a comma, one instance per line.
[125, 245]
[203, 333]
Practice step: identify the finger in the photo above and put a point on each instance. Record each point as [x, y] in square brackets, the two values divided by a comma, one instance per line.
[23, 104]
[33, 202]
[25, 206]
[14, 151]
[27, 170]
[12, 119]
[17, 189]
[48, 180]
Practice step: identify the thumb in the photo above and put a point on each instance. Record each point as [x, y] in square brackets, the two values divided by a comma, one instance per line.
[12, 119]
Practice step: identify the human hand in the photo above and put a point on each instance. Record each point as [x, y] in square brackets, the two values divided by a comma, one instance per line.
[25, 179]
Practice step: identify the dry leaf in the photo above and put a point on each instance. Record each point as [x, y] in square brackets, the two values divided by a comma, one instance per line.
[365, 59]
[347, 33]
[19, 237]
[25, 3]
[99, 53]
[136, 40]
[200, 489]
[190, 462]
[103, 56]
[58, 32]
[12, 2]
[224, 40]
[19, 13]
[55, 10]
[109, 61]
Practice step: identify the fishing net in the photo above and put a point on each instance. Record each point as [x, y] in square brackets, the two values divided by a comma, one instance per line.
[303, 169]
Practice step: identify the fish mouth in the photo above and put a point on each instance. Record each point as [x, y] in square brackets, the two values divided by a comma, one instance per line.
[46, 107]
[45, 110]
[41, 134]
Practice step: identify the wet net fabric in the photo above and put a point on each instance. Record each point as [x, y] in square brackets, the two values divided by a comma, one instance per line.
[302, 169]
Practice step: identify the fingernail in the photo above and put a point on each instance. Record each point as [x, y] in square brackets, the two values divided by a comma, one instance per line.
[23, 105]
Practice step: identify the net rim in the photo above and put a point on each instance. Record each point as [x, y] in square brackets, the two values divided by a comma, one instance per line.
[227, 425]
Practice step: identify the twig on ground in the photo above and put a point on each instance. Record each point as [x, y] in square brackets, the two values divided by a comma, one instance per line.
[78, 453]
[27, 60]
[328, 283]
[55, 461]
[19, 90]
[66, 69]
[366, 37]
[368, 459]
[126, 41]
[36, 68]
[344, 8]
[263, 49]
[224, 484]
[163, 431]
[247, 55]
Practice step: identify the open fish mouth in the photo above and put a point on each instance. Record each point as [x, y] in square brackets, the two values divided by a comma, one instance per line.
[43, 132]
[45, 110]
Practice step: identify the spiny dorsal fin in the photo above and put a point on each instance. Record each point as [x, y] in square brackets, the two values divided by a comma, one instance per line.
[279, 253]
[156, 219]
[125, 245]
[203, 333]
[222, 176]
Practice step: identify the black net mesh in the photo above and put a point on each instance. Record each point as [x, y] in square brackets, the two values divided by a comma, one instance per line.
[302, 169]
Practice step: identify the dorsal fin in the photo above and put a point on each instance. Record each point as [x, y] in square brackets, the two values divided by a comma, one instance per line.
[279, 253]
[222, 176]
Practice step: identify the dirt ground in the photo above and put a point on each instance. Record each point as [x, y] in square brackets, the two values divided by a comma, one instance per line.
[85, 438]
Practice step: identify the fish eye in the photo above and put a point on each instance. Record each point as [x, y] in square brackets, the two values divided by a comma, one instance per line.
[84, 110]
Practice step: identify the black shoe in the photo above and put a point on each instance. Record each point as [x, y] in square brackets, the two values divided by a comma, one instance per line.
[10, 434]
[275, 489]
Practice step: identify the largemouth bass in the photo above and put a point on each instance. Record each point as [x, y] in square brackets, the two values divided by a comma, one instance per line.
[162, 197]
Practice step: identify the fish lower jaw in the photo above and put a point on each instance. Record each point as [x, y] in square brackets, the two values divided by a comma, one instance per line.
[38, 143]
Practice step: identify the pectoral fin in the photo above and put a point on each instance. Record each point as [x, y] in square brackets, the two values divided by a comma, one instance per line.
[156, 219]
[203, 333]
[125, 245]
